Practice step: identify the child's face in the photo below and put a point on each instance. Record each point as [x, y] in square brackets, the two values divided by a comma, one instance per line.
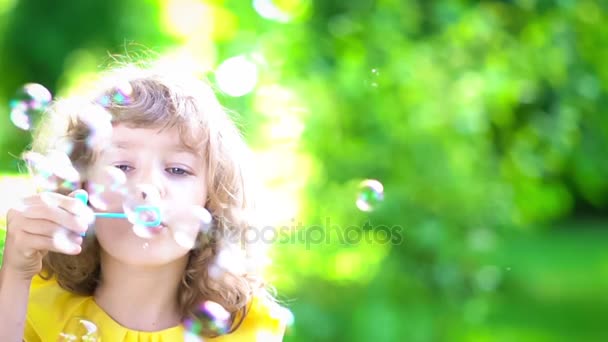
[159, 170]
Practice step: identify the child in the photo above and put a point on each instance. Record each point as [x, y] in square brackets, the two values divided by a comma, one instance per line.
[148, 136]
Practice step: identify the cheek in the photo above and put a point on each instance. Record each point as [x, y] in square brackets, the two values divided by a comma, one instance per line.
[112, 230]
[190, 194]
[103, 200]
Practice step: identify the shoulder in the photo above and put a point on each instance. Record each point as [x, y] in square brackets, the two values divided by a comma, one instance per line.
[49, 308]
[265, 321]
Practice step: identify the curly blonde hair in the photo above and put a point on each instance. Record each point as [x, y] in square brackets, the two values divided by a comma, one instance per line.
[160, 99]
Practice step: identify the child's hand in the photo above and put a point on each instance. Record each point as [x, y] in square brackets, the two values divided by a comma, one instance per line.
[46, 222]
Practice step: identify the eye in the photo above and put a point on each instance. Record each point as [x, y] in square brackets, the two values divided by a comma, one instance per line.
[177, 171]
[124, 168]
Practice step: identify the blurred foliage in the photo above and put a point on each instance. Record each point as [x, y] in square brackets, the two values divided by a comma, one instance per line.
[2, 238]
[484, 120]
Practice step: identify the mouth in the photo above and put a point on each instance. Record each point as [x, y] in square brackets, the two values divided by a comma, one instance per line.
[157, 229]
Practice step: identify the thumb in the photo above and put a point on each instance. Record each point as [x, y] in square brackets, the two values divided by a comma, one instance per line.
[81, 195]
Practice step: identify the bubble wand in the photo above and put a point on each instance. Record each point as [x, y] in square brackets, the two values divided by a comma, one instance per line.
[153, 210]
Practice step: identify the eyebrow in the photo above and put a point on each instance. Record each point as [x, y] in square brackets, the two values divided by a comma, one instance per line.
[125, 145]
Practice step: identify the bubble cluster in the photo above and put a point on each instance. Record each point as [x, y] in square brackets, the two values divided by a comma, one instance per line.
[109, 187]
[371, 194]
[29, 102]
[99, 122]
[78, 329]
[53, 171]
[209, 316]
[120, 95]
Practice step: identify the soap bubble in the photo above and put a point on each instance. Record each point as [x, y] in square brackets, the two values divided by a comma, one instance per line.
[121, 94]
[27, 105]
[78, 329]
[99, 122]
[186, 223]
[107, 188]
[282, 314]
[52, 171]
[371, 194]
[231, 259]
[208, 316]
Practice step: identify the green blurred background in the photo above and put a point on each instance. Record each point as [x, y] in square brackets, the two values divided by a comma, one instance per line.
[485, 121]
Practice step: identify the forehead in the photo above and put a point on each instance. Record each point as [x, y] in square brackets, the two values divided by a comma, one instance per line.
[124, 137]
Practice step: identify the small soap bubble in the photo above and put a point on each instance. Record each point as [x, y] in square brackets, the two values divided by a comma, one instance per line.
[209, 316]
[190, 337]
[120, 95]
[28, 104]
[373, 78]
[79, 329]
[231, 259]
[123, 93]
[107, 187]
[186, 223]
[99, 122]
[69, 185]
[52, 171]
[371, 194]
[41, 170]
[97, 196]
[62, 166]
[65, 145]
[282, 314]
[104, 101]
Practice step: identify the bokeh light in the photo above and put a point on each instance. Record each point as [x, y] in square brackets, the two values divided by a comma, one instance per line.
[237, 76]
[282, 11]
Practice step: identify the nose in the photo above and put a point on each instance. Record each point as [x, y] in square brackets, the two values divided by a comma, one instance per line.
[149, 183]
[146, 192]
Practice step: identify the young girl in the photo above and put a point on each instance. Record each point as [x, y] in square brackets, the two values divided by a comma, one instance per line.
[144, 138]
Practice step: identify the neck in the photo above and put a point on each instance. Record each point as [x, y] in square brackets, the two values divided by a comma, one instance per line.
[142, 298]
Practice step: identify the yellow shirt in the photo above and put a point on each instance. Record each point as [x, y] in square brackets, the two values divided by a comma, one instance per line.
[50, 307]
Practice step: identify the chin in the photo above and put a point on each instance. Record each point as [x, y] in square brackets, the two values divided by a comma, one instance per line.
[130, 249]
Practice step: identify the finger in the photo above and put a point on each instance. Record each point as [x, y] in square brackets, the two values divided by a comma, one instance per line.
[60, 243]
[43, 227]
[57, 215]
[74, 203]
